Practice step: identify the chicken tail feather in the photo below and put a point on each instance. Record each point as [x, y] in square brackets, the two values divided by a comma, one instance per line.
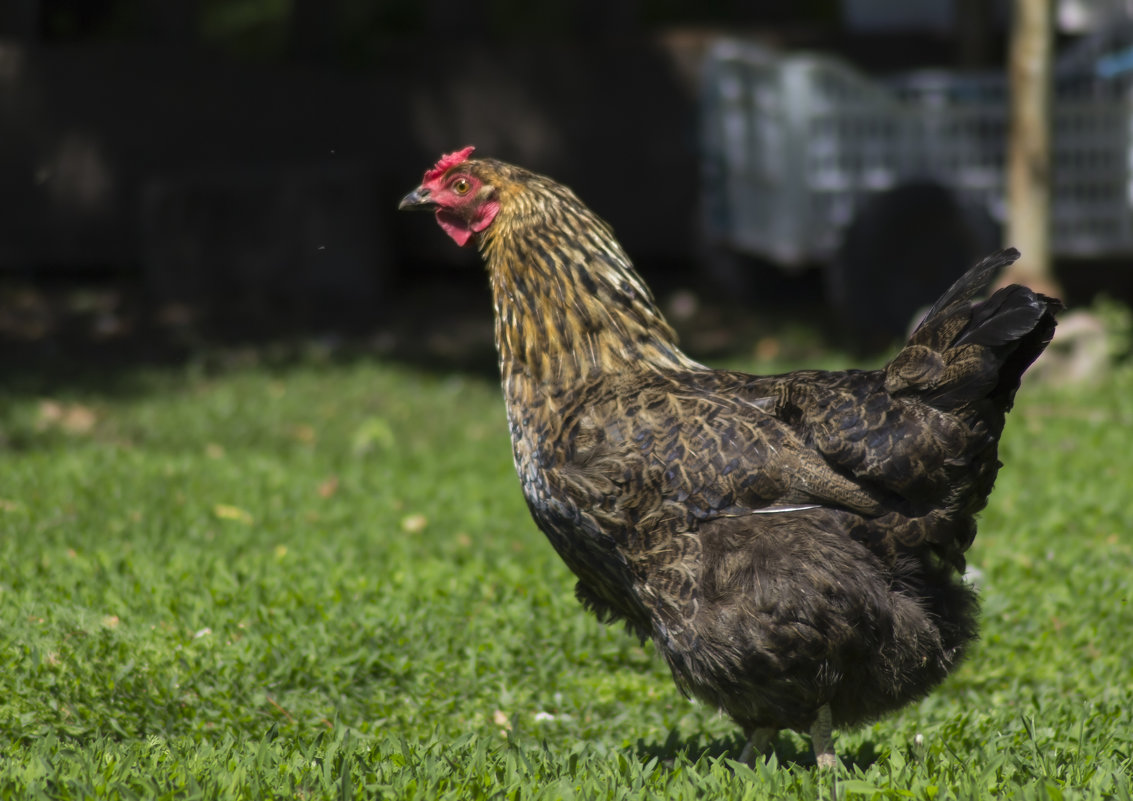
[963, 353]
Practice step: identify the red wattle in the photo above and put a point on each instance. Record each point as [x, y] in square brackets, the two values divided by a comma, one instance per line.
[455, 226]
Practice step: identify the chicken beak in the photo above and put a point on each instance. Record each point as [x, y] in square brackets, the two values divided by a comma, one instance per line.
[417, 199]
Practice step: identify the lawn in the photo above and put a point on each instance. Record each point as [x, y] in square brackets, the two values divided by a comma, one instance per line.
[321, 581]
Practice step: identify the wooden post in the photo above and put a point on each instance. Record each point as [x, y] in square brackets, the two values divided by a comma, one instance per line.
[1028, 145]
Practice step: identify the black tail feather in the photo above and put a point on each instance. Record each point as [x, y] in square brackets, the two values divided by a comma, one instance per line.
[973, 283]
[1007, 316]
[961, 352]
[1029, 347]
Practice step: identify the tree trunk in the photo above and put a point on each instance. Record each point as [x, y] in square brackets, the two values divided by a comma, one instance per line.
[1028, 145]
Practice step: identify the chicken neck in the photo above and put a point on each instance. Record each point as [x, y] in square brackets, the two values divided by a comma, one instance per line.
[570, 309]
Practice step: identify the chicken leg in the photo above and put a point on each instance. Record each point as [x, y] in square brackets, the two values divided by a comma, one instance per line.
[757, 744]
[822, 739]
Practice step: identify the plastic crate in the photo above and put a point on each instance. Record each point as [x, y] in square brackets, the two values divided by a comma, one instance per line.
[794, 144]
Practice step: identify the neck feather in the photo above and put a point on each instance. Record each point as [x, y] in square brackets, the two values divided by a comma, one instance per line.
[569, 306]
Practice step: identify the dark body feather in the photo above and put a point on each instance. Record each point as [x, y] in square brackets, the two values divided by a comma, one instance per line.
[789, 542]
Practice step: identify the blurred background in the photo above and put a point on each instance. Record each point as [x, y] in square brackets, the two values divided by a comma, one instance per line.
[183, 173]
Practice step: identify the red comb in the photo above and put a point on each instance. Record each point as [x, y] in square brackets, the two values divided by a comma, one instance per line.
[445, 162]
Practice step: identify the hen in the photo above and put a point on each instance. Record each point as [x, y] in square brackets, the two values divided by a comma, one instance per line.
[792, 544]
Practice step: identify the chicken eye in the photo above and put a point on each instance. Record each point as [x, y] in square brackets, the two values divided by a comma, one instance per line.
[461, 186]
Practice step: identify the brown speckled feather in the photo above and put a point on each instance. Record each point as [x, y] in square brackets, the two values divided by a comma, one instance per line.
[789, 541]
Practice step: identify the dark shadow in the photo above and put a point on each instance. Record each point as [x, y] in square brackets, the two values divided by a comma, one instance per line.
[787, 750]
[901, 251]
[94, 332]
[691, 748]
[185, 202]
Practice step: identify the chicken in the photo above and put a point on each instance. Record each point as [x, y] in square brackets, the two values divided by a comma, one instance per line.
[793, 544]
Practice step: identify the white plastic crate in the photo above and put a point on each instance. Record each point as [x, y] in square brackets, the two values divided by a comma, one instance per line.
[794, 144]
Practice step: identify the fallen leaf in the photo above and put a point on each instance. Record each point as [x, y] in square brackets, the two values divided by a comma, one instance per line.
[226, 512]
[74, 418]
[414, 523]
[304, 433]
[78, 420]
[767, 349]
[373, 433]
[50, 412]
[328, 487]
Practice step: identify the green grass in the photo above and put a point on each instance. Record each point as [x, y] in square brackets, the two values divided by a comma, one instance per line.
[322, 582]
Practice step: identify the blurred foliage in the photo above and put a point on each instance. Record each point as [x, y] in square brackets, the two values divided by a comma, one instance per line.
[1117, 321]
